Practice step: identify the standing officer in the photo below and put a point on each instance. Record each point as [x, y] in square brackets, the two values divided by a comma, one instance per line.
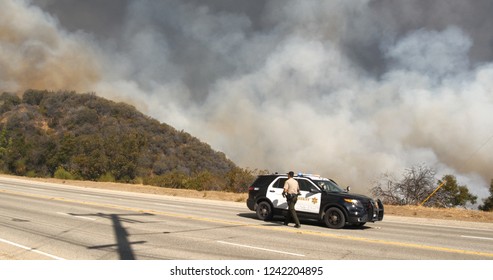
[291, 190]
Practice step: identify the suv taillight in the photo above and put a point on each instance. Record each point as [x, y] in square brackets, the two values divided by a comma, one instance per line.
[251, 188]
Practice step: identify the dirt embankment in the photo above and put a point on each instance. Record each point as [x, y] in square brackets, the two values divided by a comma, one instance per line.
[406, 211]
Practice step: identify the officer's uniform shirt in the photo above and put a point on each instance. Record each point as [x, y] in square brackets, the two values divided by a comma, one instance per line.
[291, 186]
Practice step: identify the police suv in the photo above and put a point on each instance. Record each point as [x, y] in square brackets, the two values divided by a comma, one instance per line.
[319, 198]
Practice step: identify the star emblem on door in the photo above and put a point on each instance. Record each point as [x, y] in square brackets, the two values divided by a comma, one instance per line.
[314, 200]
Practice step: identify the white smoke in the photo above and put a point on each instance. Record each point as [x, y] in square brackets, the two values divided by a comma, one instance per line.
[341, 88]
[36, 53]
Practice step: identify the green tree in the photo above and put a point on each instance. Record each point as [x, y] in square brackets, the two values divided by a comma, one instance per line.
[173, 179]
[123, 154]
[451, 194]
[16, 154]
[8, 101]
[488, 202]
[61, 156]
[33, 97]
[89, 160]
[4, 142]
[201, 181]
[61, 173]
[238, 179]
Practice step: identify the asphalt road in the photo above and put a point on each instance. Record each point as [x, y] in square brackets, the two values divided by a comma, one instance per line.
[48, 221]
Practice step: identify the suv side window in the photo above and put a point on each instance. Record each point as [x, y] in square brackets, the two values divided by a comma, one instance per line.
[305, 185]
[263, 181]
[280, 183]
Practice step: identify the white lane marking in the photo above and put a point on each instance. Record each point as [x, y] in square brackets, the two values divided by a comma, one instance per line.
[31, 249]
[75, 216]
[90, 195]
[263, 249]
[476, 237]
[437, 225]
[169, 205]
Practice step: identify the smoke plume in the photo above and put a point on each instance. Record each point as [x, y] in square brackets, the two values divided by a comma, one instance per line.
[348, 89]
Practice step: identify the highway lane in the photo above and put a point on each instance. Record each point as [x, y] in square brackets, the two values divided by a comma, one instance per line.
[50, 221]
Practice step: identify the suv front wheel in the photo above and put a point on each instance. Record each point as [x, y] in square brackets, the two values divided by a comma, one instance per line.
[264, 211]
[334, 218]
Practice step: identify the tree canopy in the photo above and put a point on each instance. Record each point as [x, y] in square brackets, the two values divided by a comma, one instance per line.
[413, 188]
[417, 184]
[451, 194]
[488, 202]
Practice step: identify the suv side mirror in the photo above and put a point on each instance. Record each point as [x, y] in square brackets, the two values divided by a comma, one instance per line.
[348, 188]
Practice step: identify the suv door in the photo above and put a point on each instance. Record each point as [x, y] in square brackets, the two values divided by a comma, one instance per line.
[274, 193]
[310, 198]
[308, 201]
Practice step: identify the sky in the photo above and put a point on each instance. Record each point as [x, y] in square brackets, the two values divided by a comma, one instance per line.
[349, 89]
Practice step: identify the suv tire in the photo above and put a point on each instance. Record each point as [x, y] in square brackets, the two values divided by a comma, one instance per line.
[264, 211]
[334, 218]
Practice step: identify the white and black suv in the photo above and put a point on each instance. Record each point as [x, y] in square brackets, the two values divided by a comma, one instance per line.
[320, 199]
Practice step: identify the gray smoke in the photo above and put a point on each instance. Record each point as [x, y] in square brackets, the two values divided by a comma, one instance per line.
[348, 89]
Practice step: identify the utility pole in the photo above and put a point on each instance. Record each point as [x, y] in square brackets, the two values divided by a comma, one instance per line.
[441, 185]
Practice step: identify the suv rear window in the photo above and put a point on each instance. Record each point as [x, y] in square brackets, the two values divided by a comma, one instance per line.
[263, 181]
[280, 183]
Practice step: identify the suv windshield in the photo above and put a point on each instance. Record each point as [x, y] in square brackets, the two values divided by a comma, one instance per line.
[328, 186]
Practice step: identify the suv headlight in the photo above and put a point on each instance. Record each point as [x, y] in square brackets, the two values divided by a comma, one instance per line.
[354, 202]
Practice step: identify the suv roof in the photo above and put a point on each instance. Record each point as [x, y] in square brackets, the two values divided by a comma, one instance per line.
[299, 175]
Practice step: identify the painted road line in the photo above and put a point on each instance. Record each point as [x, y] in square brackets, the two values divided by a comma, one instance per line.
[75, 216]
[259, 248]
[31, 249]
[90, 195]
[438, 225]
[169, 205]
[476, 237]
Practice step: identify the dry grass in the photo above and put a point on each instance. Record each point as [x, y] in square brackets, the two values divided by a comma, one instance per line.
[440, 213]
[213, 195]
[406, 211]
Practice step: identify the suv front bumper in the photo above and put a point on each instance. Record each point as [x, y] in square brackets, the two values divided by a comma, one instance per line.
[372, 212]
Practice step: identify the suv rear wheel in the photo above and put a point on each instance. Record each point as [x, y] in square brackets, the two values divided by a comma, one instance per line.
[334, 218]
[264, 211]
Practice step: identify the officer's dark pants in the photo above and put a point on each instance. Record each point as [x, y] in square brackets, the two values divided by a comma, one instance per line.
[291, 215]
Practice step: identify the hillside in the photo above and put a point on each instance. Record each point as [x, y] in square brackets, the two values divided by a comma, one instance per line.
[69, 135]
